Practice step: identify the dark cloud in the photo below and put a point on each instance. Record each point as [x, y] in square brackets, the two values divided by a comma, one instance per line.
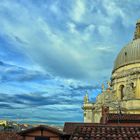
[20, 41]
[1, 63]
[6, 106]
[35, 100]
[15, 73]
[40, 100]
[84, 87]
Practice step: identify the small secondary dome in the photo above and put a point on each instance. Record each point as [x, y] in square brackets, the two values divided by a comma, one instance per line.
[131, 52]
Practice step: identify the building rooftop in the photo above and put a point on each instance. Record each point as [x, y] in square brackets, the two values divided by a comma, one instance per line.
[41, 127]
[105, 132]
[124, 118]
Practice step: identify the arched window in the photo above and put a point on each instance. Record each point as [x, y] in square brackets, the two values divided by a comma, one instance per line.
[132, 85]
[121, 91]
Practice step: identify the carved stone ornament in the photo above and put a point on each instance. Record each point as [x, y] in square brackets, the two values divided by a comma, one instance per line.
[105, 99]
[128, 92]
[132, 71]
[86, 98]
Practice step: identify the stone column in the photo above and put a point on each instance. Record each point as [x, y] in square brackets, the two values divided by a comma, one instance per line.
[137, 88]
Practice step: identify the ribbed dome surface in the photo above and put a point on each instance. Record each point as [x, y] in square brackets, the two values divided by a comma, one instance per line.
[128, 55]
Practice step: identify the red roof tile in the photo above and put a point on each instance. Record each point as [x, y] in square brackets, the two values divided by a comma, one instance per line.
[105, 132]
[69, 127]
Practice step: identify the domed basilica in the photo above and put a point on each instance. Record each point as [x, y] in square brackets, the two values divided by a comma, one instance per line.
[123, 92]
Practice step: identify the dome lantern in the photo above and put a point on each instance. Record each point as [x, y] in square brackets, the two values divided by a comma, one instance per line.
[137, 32]
[129, 54]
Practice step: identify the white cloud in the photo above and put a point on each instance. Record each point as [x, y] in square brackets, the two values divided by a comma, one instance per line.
[105, 31]
[90, 28]
[78, 10]
[70, 52]
[72, 27]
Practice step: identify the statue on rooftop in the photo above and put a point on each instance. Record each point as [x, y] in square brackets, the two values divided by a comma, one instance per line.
[108, 84]
[103, 87]
[86, 98]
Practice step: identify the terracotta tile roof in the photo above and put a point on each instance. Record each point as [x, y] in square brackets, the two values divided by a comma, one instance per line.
[127, 118]
[42, 127]
[69, 127]
[105, 132]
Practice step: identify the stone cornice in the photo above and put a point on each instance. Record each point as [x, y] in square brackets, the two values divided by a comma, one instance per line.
[88, 108]
[133, 71]
[126, 64]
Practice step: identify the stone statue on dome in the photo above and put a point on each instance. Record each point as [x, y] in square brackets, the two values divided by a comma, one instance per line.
[108, 84]
[103, 87]
[86, 100]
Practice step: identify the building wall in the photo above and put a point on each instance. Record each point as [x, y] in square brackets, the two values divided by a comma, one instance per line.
[29, 138]
[123, 76]
[128, 72]
[3, 122]
[130, 103]
[35, 133]
[88, 115]
[47, 133]
[138, 87]
[32, 135]
[97, 116]
[54, 138]
[88, 112]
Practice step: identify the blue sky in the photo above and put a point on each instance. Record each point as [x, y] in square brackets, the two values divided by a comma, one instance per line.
[53, 51]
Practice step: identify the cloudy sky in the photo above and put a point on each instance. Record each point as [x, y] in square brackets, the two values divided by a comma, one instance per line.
[53, 51]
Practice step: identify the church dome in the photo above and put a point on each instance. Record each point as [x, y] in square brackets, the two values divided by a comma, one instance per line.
[130, 54]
